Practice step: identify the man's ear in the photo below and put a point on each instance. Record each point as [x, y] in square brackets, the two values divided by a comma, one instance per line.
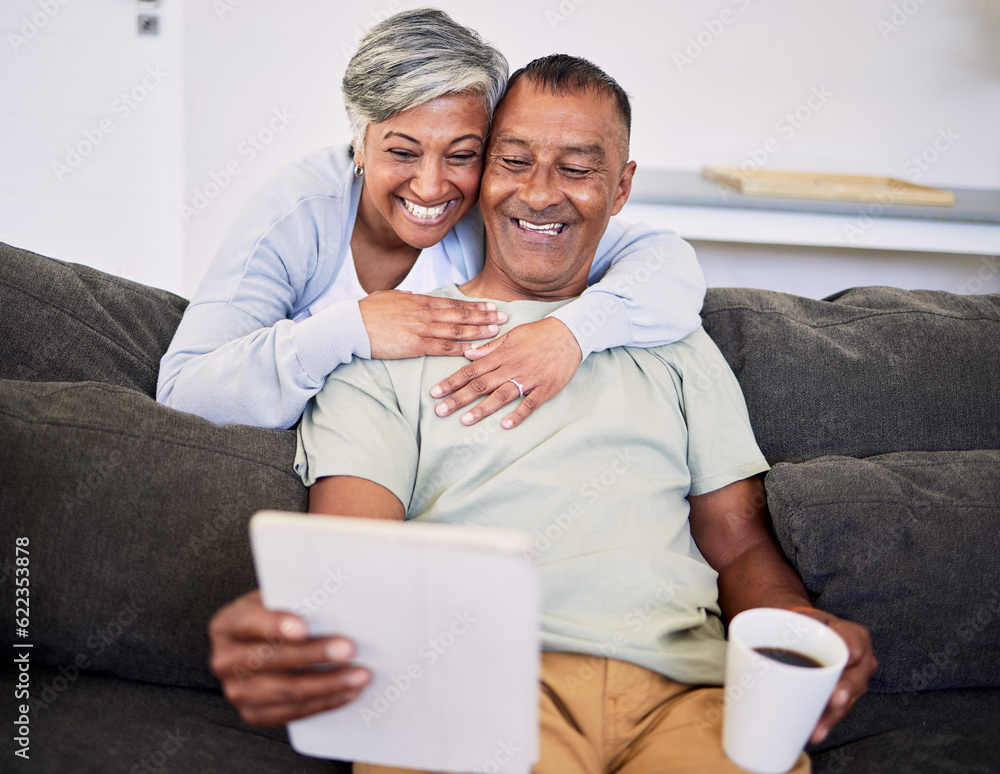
[624, 188]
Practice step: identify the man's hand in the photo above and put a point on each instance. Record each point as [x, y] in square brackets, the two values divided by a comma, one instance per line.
[541, 356]
[853, 683]
[272, 671]
[730, 527]
[402, 324]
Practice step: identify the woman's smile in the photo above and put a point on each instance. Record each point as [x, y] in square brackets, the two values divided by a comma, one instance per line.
[426, 215]
[422, 169]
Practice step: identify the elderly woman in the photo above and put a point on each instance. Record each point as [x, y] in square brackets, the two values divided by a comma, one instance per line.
[327, 260]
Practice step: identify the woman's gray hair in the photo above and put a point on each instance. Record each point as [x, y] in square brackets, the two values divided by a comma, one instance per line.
[414, 57]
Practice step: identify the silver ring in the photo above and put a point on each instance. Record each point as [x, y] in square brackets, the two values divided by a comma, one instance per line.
[517, 384]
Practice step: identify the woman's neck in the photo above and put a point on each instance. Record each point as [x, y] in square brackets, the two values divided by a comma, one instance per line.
[381, 259]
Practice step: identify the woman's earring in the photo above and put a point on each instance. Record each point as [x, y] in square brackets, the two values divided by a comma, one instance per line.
[358, 171]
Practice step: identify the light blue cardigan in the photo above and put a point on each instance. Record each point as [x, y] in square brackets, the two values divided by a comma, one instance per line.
[238, 357]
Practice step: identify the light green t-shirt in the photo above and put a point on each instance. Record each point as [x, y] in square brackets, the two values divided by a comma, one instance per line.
[598, 475]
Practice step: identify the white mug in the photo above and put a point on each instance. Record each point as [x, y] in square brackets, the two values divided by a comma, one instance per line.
[771, 707]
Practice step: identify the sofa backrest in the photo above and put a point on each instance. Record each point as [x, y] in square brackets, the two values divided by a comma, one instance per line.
[135, 514]
[871, 371]
[880, 412]
[64, 322]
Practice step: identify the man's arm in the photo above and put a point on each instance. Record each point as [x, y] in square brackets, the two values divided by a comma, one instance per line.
[353, 496]
[731, 529]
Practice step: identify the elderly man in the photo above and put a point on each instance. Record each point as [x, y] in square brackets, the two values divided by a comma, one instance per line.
[646, 461]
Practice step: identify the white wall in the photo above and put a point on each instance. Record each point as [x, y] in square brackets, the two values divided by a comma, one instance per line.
[832, 86]
[261, 86]
[91, 117]
[890, 81]
[822, 271]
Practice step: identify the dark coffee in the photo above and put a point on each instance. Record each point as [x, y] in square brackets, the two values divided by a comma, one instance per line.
[790, 657]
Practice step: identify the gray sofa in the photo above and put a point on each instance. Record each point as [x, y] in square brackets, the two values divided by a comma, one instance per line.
[878, 409]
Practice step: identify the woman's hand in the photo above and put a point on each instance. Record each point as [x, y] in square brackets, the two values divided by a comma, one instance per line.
[541, 356]
[401, 324]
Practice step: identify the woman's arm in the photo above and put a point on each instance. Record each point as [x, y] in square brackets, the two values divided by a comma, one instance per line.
[234, 368]
[646, 289]
[649, 292]
[237, 356]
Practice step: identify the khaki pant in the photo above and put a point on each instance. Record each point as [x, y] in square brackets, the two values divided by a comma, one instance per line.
[602, 715]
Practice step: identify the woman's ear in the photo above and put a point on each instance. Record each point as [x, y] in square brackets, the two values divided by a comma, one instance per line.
[357, 150]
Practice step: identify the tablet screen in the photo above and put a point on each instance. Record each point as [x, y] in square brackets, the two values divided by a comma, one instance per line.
[446, 618]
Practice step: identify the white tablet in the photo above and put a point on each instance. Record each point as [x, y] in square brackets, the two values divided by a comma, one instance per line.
[446, 618]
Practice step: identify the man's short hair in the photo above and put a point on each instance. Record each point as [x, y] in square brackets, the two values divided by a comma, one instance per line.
[561, 73]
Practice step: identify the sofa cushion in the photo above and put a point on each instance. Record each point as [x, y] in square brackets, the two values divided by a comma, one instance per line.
[88, 723]
[63, 322]
[870, 371]
[906, 544]
[933, 731]
[136, 516]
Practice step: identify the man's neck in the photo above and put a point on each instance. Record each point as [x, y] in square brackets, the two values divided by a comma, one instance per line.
[495, 284]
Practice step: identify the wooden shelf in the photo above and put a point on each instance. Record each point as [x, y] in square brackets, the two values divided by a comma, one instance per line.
[824, 185]
[700, 209]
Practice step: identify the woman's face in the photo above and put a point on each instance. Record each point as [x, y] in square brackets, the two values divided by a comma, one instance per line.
[422, 169]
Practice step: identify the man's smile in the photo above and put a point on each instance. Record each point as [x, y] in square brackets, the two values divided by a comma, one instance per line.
[551, 229]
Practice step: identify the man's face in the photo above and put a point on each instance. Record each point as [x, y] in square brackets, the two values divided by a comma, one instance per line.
[554, 176]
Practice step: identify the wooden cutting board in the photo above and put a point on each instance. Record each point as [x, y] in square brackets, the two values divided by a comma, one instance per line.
[824, 185]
